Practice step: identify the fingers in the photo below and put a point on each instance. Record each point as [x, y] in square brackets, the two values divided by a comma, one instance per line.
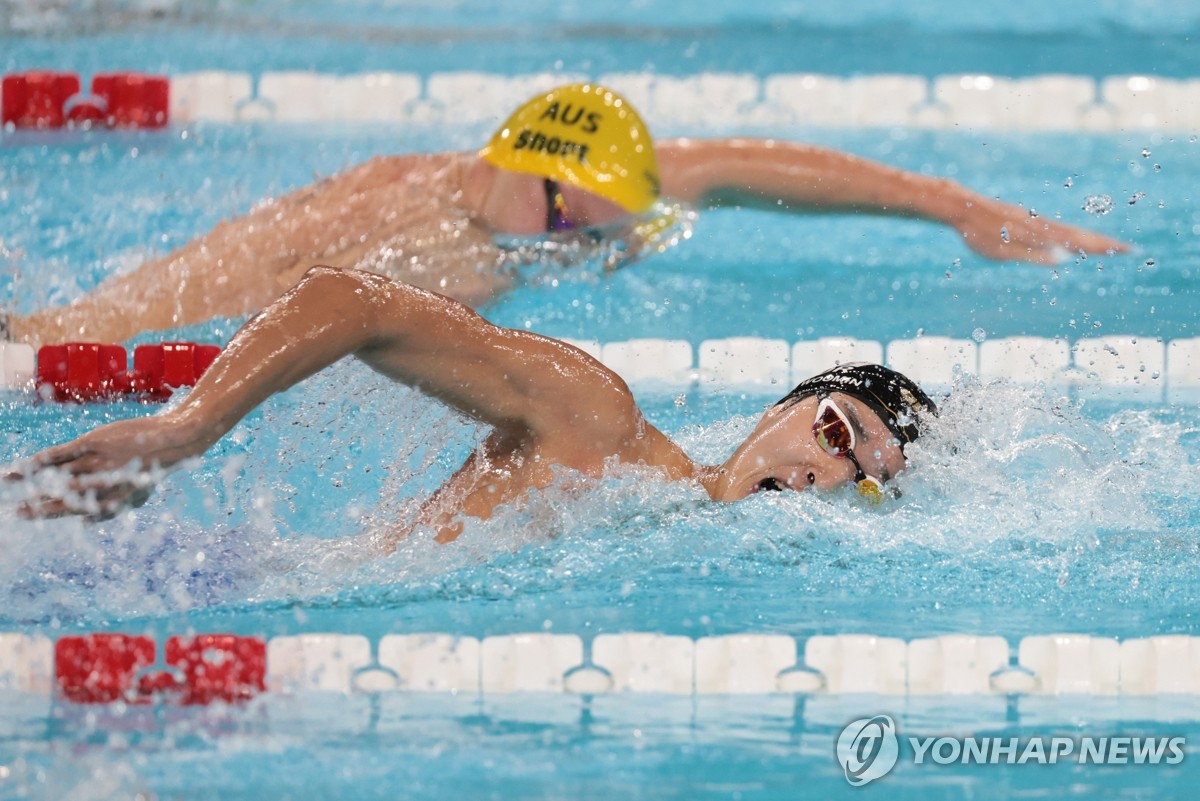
[59, 455]
[45, 508]
[94, 503]
[74, 458]
[76, 479]
[1080, 239]
[1095, 243]
[97, 476]
[1038, 242]
[54, 457]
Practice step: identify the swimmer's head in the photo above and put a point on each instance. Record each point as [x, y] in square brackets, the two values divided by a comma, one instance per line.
[845, 425]
[583, 135]
[893, 396]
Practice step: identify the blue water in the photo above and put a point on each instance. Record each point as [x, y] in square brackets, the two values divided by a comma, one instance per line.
[928, 38]
[1028, 511]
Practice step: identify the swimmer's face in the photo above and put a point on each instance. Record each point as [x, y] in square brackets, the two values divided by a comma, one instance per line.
[518, 204]
[783, 454]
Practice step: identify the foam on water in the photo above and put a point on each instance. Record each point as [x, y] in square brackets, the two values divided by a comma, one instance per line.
[1016, 495]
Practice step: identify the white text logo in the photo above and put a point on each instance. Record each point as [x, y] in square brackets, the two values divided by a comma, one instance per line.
[868, 749]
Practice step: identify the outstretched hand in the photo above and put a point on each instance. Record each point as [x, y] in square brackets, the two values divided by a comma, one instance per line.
[1006, 232]
[104, 471]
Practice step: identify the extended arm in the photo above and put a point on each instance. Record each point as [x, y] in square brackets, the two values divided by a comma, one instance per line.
[800, 177]
[525, 385]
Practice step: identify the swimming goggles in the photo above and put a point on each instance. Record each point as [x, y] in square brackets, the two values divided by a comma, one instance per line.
[834, 433]
[557, 218]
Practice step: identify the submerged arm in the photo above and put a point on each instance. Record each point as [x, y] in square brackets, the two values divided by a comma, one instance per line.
[800, 177]
[523, 384]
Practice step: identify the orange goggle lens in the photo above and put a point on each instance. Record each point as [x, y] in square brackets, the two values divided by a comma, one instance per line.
[835, 435]
[832, 430]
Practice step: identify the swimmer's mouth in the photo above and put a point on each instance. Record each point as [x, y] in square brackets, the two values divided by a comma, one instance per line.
[770, 485]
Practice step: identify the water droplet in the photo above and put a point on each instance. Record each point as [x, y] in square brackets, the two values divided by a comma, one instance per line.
[1145, 153]
[979, 335]
[1098, 204]
[680, 400]
[1150, 263]
[1136, 197]
[1068, 183]
[1033, 213]
[1158, 168]
[1004, 234]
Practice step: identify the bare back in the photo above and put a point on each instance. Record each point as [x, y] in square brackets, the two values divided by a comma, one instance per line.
[403, 217]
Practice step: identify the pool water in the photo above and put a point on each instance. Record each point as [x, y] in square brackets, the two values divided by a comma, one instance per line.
[933, 37]
[1029, 510]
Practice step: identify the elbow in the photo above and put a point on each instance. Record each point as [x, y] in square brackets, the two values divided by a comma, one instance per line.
[346, 295]
[325, 278]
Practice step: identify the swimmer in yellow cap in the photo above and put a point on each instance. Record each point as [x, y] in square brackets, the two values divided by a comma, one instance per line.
[575, 158]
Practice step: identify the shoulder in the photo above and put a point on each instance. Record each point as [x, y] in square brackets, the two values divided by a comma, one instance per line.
[388, 167]
[576, 395]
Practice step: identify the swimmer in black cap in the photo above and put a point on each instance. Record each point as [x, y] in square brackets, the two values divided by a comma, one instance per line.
[549, 404]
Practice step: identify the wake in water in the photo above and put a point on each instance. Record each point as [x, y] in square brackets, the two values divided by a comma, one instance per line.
[1010, 485]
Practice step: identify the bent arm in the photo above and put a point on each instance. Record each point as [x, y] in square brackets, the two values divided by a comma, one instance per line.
[797, 177]
[509, 379]
[525, 385]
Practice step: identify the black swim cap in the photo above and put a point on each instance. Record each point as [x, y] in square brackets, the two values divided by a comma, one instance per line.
[895, 397]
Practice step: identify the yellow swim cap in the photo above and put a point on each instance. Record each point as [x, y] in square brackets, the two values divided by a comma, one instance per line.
[586, 136]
